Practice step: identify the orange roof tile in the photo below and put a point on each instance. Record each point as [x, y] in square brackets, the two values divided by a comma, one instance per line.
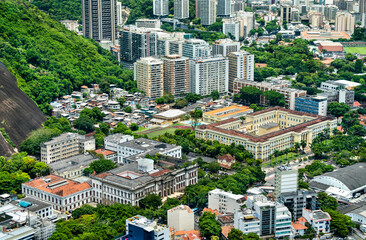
[226, 229]
[214, 211]
[301, 219]
[104, 152]
[70, 187]
[298, 226]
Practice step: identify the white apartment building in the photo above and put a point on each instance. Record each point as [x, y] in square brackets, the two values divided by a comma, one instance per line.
[148, 72]
[196, 48]
[241, 66]
[224, 202]
[208, 75]
[232, 27]
[247, 22]
[181, 9]
[319, 220]
[132, 150]
[65, 146]
[224, 46]
[247, 222]
[148, 23]
[139, 227]
[161, 7]
[181, 218]
[63, 194]
[112, 142]
[285, 180]
[345, 22]
[275, 218]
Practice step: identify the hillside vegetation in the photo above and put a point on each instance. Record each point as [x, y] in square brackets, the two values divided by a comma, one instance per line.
[48, 60]
[60, 9]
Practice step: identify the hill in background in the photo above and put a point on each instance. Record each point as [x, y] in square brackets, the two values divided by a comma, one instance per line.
[48, 60]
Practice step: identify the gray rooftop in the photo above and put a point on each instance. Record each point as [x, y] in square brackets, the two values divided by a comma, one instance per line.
[116, 138]
[72, 163]
[353, 176]
[113, 176]
[269, 125]
[145, 144]
[318, 215]
[62, 137]
[36, 204]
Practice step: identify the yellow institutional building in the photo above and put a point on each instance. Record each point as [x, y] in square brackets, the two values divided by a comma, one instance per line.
[225, 113]
[265, 131]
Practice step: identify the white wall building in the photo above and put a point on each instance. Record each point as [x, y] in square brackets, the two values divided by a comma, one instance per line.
[319, 220]
[224, 202]
[196, 48]
[208, 75]
[246, 222]
[232, 27]
[142, 146]
[181, 218]
[285, 180]
[112, 142]
[161, 7]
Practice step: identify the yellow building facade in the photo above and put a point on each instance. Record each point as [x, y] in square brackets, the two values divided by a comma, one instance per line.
[263, 132]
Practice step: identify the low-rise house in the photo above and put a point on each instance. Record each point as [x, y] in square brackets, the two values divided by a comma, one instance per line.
[299, 228]
[107, 154]
[319, 220]
[226, 161]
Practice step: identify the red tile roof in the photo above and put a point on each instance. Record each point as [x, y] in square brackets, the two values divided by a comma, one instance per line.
[302, 219]
[210, 210]
[160, 173]
[104, 152]
[103, 175]
[227, 158]
[298, 226]
[70, 187]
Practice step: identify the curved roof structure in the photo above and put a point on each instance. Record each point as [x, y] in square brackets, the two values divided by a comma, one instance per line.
[352, 177]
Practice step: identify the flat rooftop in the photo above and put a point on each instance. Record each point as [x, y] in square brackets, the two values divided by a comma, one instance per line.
[231, 110]
[72, 163]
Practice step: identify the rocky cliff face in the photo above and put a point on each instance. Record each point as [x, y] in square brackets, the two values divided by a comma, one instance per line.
[19, 115]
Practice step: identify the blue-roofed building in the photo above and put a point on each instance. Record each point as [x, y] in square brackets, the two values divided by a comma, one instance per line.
[312, 104]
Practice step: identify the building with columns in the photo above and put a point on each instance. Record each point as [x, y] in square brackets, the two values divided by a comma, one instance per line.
[132, 182]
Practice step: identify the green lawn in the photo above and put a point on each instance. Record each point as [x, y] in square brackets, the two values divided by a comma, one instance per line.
[283, 159]
[360, 50]
[161, 132]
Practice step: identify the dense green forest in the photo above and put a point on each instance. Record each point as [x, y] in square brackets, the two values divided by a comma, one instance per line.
[48, 60]
[19, 169]
[61, 9]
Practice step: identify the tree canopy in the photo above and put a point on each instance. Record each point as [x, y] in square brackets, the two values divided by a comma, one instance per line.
[48, 60]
